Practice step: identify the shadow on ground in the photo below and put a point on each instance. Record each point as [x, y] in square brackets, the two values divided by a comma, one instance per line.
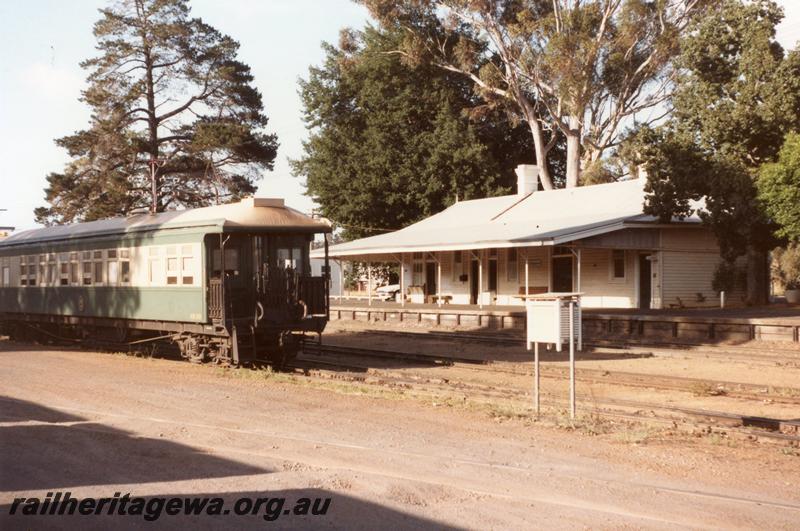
[343, 512]
[44, 449]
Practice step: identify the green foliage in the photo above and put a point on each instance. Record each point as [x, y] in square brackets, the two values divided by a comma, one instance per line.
[392, 143]
[728, 277]
[165, 87]
[786, 266]
[779, 188]
[574, 70]
[735, 97]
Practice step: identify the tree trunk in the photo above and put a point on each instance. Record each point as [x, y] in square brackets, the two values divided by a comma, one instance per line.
[757, 284]
[573, 152]
[541, 153]
[152, 126]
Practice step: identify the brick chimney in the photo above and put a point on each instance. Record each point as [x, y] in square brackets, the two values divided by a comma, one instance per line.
[527, 179]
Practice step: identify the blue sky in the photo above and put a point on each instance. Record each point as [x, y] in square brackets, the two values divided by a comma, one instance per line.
[42, 42]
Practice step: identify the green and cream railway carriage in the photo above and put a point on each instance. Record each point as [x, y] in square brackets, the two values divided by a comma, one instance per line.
[227, 283]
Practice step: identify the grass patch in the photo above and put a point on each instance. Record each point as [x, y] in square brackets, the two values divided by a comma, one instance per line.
[707, 389]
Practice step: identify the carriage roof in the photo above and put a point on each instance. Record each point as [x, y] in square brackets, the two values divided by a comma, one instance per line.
[250, 214]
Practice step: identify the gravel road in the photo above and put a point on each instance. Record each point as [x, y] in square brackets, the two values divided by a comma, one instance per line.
[96, 424]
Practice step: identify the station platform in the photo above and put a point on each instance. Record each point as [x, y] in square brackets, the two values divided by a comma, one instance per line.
[702, 325]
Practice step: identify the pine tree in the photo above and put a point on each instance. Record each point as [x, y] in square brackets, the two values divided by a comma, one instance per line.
[173, 112]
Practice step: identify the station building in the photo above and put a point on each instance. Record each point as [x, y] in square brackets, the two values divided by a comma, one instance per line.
[594, 240]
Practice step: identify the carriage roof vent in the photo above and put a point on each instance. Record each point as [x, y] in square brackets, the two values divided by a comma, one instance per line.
[264, 202]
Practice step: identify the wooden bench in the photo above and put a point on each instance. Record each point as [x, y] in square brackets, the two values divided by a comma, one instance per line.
[445, 299]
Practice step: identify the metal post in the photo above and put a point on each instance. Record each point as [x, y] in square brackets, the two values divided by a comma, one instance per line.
[369, 282]
[536, 377]
[439, 282]
[327, 276]
[526, 275]
[402, 282]
[571, 360]
[341, 281]
[480, 279]
[578, 283]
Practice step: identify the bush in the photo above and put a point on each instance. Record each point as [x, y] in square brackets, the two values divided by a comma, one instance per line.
[779, 188]
[728, 277]
[786, 266]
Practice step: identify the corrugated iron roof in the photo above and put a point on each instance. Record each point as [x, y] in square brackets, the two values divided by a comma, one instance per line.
[541, 218]
[249, 213]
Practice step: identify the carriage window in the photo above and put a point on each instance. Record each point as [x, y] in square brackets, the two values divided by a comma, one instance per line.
[113, 272]
[291, 257]
[98, 272]
[87, 273]
[187, 266]
[285, 258]
[124, 266]
[155, 271]
[231, 260]
[64, 273]
[42, 276]
[73, 268]
[172, 270]
[125, 272]
[6, 275]
[112, 253]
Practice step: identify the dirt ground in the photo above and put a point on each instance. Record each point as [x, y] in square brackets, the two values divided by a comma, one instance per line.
[774, 380]
[97, 423]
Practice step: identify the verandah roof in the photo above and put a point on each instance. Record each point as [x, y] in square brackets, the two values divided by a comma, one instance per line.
[542, 218]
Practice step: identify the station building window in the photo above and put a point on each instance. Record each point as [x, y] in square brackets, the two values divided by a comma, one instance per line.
[617, 265]
[512, 271]
[458, 267]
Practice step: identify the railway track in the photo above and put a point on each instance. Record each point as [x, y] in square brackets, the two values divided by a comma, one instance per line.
[321, 364]
[745, 391]
[673, 349]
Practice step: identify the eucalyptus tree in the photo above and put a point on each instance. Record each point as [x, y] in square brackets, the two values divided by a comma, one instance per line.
[581, 70]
